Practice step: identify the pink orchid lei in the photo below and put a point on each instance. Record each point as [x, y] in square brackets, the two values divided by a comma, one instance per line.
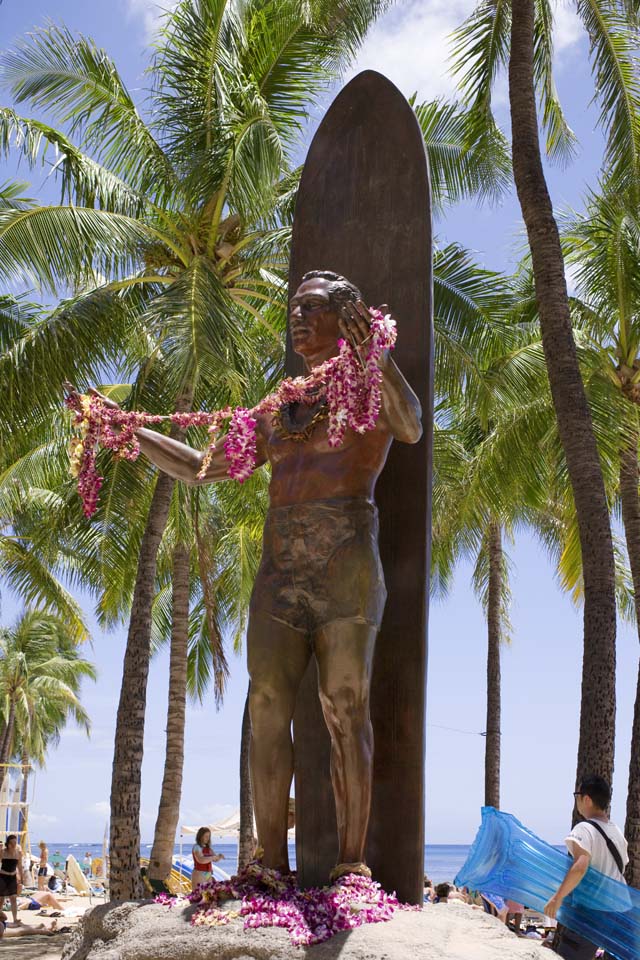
[270, 899]
[349, 383]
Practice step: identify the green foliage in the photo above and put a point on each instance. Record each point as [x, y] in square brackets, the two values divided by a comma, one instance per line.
[481, 52]
[41, 673]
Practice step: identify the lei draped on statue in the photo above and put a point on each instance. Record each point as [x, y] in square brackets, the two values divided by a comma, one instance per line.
[349, 384]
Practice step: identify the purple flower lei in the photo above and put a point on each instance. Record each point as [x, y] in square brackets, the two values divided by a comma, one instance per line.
[349, 382]
[270, 899]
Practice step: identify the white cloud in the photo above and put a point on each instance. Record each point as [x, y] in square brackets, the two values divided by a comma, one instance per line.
[148, 12]
[411, 46]
[103, 807]
[43, 818]
[568, 27]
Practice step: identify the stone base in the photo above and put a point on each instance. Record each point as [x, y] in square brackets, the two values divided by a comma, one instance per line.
[148, 931]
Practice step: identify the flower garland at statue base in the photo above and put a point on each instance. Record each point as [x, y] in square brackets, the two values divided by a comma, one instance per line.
[271, 899]
[348, 383]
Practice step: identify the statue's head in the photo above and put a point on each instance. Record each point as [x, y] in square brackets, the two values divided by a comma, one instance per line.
[315, 309]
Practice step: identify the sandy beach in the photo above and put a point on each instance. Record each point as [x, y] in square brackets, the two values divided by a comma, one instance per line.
[45, 948]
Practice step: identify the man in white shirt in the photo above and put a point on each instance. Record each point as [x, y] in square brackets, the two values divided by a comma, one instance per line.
[599, 844]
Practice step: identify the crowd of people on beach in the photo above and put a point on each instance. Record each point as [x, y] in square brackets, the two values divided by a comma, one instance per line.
[12, 880]
[521, 921]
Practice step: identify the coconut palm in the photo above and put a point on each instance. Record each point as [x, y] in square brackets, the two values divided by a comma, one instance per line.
[458, 532]
[223, 531]
[520, 34]
[603, 246]
[40, 677]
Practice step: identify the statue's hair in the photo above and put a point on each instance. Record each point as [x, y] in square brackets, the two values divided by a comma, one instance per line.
[341, 290]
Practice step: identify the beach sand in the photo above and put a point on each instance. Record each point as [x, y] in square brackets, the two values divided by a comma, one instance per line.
[39, 947]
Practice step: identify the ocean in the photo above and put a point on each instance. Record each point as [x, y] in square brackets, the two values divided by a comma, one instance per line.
[441, 861]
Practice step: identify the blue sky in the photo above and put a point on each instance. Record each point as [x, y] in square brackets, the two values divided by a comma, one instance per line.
[542, 667]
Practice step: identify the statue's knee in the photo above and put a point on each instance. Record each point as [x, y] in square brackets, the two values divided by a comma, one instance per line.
[345, 708]
[267, 709]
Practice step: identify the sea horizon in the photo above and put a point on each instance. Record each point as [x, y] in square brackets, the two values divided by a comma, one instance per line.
[442, 861]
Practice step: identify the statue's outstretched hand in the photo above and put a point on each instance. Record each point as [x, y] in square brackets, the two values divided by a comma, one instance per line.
[110, 404]
[71, 391]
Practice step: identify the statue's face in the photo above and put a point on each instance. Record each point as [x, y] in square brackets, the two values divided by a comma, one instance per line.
[313, 319]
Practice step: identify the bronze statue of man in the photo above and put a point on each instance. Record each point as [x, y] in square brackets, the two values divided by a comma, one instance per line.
[320, 587]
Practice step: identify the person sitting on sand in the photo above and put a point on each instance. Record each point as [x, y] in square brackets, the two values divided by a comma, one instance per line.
[11, 873]
[429, 892]
[203, 857]
[442, 893]
[42, 930]
[43, 867]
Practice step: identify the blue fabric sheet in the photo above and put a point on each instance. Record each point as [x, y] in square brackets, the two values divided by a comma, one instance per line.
[508, 858]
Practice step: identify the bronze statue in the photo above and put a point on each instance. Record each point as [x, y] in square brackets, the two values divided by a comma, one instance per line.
[320, 586]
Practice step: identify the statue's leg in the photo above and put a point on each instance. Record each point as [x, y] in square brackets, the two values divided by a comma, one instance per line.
[344, 651]
[277, 659]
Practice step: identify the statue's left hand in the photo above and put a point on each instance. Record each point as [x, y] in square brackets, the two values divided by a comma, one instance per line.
[355, 326]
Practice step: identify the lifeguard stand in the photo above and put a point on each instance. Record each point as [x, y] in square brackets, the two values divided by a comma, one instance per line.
[14, 803]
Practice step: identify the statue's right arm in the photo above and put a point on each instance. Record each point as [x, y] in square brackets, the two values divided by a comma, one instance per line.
[183, 462]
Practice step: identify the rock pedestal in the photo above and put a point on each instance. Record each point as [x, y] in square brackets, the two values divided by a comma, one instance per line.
[133, 931]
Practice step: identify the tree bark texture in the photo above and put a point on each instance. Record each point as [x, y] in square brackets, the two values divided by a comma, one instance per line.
[246, 839]
[631, 520]
[7, 741]
[171, 793]
[124, 841]
[598, 704]
[494, 632]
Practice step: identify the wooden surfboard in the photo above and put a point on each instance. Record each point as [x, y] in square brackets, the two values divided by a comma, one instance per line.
[364, 211]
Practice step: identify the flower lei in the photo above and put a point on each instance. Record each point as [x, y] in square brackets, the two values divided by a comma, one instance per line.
[348, 383]
[270, 899]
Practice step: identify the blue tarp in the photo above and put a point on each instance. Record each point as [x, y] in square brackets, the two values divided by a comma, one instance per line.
[508, 859]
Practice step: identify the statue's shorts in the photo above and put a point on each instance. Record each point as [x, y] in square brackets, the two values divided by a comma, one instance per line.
[320, 563]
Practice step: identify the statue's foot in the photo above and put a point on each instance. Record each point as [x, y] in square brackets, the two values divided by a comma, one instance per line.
[344, 869]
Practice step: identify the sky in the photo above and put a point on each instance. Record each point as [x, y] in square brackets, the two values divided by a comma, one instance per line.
[541, 669]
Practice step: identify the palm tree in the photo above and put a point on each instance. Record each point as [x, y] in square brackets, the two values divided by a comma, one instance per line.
[221, 528]
[520, 34]
[603, 246]
[40, 677]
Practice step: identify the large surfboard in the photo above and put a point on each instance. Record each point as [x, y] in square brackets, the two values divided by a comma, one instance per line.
[363, 210]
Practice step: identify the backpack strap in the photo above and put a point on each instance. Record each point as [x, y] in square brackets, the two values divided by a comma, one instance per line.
[613, 850]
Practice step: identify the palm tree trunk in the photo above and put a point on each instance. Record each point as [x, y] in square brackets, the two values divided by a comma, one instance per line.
[631, 521]
[124, 840]
[171, 793]
[598, 703]
[125, 882]
[6, 745]
[23, 817]
[246, 839]
[494, 630]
